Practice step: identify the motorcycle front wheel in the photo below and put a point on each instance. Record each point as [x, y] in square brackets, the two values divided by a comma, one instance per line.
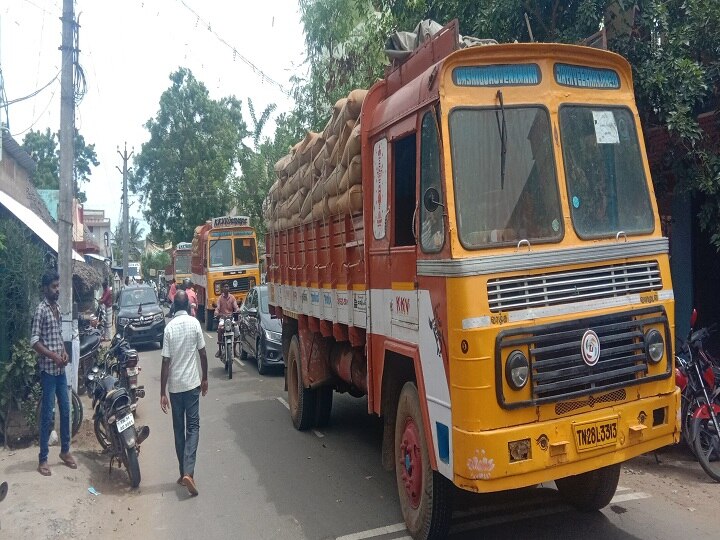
[229, 359]
[133, 466]
[706, 444]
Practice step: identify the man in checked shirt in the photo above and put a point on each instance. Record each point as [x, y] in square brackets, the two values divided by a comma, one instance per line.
[46, 339]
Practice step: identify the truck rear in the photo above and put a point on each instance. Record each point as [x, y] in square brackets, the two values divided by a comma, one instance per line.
[479, 252]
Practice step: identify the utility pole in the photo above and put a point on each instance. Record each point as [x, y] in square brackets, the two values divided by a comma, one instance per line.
[67, 158]
[126, 209]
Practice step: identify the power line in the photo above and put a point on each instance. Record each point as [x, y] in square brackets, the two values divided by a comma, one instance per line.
[264, 76]
[36, 92]
[37, 119]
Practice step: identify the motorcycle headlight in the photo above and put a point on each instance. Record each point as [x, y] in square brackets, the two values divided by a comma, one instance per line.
[122, 321]
[654, 346]
[517, 370]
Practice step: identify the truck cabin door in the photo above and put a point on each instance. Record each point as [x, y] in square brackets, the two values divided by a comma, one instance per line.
[394, 251]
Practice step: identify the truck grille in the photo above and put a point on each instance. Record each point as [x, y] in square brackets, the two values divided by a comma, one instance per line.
[520, 292]
[557, 369]
[237, 284]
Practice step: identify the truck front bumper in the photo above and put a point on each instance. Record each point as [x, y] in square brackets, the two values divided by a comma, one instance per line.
[509, 458]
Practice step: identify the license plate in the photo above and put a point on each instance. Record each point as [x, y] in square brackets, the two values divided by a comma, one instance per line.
[598, 434]
[125, 422]
[132, 371]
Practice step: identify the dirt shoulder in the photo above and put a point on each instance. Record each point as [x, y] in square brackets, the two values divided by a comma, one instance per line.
[60, 506]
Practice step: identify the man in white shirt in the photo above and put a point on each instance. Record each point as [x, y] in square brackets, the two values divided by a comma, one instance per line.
[180, 376]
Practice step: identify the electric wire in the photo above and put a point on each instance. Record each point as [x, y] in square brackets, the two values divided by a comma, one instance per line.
[236, 54]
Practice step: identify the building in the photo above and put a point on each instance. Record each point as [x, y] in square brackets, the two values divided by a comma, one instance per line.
[99, 231]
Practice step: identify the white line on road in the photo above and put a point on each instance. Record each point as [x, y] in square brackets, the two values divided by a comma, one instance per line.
[208, 335]
[373, 532]
[318, 434]
[239, 362]
[285, 403]
[629, 497]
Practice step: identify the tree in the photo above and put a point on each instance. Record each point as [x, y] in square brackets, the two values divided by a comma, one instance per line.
[185, 171]
[156, 261]
[43, 148]
[136, 240]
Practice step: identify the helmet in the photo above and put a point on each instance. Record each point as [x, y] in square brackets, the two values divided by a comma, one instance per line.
[187, 283]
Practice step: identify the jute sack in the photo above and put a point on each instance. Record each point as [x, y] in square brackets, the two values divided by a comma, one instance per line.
[307, 205]
[320, 209]
[315, 142]
[342, 141]
[325, 152]
[296, 201]
[343, 116]
[353, 176]
[352, 147]
[332, 184]
[354, 102]
[281, 164]
[274, 191]
[351, 202]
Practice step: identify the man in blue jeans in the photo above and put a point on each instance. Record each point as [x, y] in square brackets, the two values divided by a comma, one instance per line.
[46, 339]
[183, 343]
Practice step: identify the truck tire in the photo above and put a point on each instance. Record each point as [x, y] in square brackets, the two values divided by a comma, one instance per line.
[300, 399]
[590, 491]
[209, 319]
[323, 406]
[426, 497]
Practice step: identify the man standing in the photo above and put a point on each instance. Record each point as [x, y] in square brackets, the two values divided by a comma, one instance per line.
[180, 376]
[192, 297]
[106, 303]
[46, 339]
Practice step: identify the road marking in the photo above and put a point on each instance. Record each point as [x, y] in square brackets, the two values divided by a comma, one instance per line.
[239, 361]
[630, 497]
[208, 335]
[285, 403]
[318, 434]
[373, 532]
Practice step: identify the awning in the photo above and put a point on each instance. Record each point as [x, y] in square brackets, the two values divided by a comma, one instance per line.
[97, 257]
[33, 222]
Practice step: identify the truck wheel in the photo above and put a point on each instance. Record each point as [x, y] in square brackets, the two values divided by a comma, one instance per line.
[209, 318]
[323, 406]
[426, 497]
[590, 491]
[300, 399]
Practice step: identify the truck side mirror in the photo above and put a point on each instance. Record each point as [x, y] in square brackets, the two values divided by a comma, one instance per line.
[431, 199]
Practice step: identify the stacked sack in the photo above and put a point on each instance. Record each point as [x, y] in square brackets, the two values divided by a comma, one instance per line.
[321, 176]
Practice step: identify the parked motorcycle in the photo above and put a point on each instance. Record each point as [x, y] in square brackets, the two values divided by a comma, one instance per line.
[89, 352]
[114, 423]
[696, 374]
[121, 361]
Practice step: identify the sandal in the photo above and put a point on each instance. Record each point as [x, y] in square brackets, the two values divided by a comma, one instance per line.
[68, 460]
[44, 469]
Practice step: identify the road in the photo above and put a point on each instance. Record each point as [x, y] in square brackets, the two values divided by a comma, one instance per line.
[260, 479]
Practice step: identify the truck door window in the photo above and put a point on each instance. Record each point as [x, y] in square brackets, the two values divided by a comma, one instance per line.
[432, 226]
[403, 202]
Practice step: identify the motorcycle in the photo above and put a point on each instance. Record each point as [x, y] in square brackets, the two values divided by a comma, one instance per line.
[697, 374]
[121, 361]
[114, 423]
[89, 349]
[228, 328]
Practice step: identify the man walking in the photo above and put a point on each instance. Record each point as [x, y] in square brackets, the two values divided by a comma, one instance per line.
[46, 339]
[183, 343]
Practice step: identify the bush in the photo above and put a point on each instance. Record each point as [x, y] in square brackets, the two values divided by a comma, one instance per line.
[18, 377]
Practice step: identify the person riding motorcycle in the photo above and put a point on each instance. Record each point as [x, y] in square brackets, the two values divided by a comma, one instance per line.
[226, 306]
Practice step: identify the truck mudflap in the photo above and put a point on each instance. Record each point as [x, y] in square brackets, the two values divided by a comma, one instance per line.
[525, 455]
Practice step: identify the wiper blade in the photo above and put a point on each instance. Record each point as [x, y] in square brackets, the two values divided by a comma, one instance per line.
[502, 130]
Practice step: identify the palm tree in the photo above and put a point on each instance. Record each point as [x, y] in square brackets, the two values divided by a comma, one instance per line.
[135, 240]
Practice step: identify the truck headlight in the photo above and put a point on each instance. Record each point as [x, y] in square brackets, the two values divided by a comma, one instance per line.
[517, 369]
[654, 346]
[122, 321]
[218, 286]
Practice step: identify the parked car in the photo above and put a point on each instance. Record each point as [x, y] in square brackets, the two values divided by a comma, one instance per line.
[260, 334]
[137, 304]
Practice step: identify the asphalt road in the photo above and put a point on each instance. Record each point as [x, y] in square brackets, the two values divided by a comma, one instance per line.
[260, 479]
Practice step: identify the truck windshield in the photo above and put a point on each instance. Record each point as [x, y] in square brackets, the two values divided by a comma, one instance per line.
[604, 169]
[526, 205]
[245, 252]
[220, 253]
[182, 263]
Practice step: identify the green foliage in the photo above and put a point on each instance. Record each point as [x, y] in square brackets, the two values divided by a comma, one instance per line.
[21, 265]
[156, 261]
[43, 148]
[184, 172]
[136, 240]
[17, 377]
